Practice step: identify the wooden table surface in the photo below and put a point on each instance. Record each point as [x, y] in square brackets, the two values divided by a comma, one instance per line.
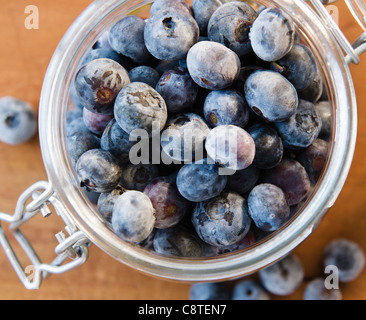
[24, 57]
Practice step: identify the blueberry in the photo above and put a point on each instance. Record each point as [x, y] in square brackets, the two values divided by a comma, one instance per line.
[170, 33]
[177, 241]
[246, 242]
[291, 177]
[183, 138]
[223, 220]
[106, 202]
[249, 290]
[212, 65]
[314, 90]
[97, 84]
[230, 25]
[138, 176]
[200, 181]
[270, 95]
[96, 122]
[231, 147]
[268, 207]
[314, 159]
[75, 126]
[347, 256]
[272, 34]
[73, 114]
[165, 65]
[145, 74]
[18, 122]
[203, 10]
[98, 171]
[127, 38]
[268, 146]
[178, 89]
[302, 128]
[243, 180]
[298, 66]
[209, 291]
[170, 207]
[116, 141]
[283, 277]
[158, 5]
[316, 290]
[226, 107]
[323, 109]
[139, 106]
[81, 142]
[133, 216]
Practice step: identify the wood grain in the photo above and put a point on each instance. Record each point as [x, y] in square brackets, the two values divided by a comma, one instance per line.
[24, 57]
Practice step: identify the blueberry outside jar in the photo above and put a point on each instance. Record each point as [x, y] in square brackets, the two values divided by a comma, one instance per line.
[84, 224]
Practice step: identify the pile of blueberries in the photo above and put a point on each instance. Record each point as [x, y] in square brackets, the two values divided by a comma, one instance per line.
[238, 105]
[343, 261]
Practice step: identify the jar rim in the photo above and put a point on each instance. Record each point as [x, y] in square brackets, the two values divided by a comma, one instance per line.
[80, 36]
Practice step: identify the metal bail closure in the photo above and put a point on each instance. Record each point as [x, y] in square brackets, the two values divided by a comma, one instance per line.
[352, 52]
[75, 246]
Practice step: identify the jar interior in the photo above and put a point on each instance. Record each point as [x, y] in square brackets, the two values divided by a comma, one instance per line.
[143, 12]
[257, 255]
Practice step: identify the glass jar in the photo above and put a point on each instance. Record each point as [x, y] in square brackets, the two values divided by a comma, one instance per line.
[83, 221]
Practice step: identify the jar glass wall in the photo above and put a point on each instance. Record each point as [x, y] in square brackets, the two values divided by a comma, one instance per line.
[97, 18]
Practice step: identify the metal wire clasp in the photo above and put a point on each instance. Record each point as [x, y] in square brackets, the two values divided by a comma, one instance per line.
[74, 247]
[352, 52]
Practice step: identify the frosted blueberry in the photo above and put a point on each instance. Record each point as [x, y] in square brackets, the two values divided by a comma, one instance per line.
[170, 33]
[230, 25]
[18, 122]
[139, 106]
[231, 147]
[223, 220]
[316, 290]
[212, 65]
[268, 207]
[98, 83]
[270, 95]
[302, 128]
[226, 107]
[283, 277]
[133, 216]
[347, 256]
[272, 34]
[183, 137]
[127, 37]
[200, 181]
[98, 170]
